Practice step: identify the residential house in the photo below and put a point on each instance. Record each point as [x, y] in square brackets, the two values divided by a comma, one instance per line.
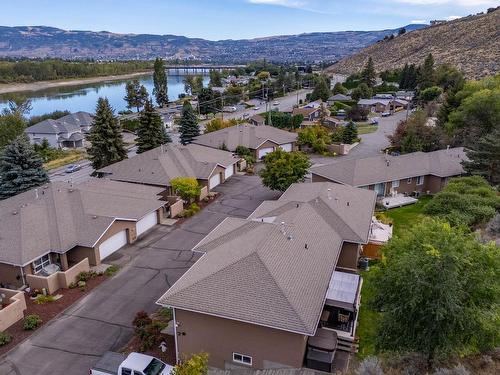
[58, 225]
[410, 174]
[159, 166]
[257, 120]
[338, 98]
[279, 289]
[68, 131]
[261, 140]
[309, 113]
[383, 105]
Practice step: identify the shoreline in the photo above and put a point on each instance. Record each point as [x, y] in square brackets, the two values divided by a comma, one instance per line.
[42, 85]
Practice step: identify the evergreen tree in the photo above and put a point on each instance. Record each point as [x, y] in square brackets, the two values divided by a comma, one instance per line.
[20, 168]
[160, 90]
[339, 89]
[426, 75]
[403, 82]
[368, 74]
[105, 137]
[136, 95]
[189, 128]
[215, 78]
[350, 133]
[150, 131]
[484, 157]
[321, 90]
[411, 82]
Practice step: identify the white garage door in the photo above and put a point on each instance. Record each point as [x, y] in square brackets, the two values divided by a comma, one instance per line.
[112, 244]
[147, 222]
[229, 171]
[214, 181]
[264, 151]
[286, 147]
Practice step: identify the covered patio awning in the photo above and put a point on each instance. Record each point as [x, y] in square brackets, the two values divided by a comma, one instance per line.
[343, 290]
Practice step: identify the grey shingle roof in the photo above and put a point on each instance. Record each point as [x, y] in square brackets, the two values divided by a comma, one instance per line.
[384, 168]
[160, 165]
[66, 124]
[247, 135]
[275, 274]
[58, 216]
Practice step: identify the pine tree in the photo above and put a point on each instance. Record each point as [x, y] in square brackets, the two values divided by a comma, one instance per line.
[484, 157]
[368, 74]
[403, 82]
[105, 137]
[426, 76]
[21, 168]
[160, 90]
[321, 90]
[189, 124]
[350, 133]
[150, 131]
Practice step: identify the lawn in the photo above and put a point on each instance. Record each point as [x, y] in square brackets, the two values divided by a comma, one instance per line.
[366, 129]
[71, 156]
[403, 218]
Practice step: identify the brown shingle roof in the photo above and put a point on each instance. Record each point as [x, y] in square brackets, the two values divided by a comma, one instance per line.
[384, 168]
[247, 135]
[59, 216]
[160, 165]
[274, 274]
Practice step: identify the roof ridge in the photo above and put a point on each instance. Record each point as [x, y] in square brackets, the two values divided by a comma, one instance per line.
[333, 213]
[246, 224]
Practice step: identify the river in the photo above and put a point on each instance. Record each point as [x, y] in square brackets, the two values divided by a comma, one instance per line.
[84, 97]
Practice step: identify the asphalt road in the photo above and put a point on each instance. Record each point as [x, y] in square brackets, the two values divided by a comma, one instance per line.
[74, 341]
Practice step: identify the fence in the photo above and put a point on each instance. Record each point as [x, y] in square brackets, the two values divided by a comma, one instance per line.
[14, 311]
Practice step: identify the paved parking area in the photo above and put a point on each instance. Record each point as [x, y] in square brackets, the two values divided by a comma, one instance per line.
[101, 321]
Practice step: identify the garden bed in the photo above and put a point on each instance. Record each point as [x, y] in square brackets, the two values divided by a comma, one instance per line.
[201, 204]
[47, 311]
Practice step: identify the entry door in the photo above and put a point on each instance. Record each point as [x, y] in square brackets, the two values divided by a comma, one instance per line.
[380, 189]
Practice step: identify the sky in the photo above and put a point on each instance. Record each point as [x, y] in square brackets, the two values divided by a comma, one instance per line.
[232, 19]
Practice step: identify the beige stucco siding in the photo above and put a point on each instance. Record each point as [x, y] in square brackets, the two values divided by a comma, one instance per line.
[221, 337]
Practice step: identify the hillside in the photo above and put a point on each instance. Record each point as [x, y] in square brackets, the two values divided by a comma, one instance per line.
[470, 43]
[42, 42]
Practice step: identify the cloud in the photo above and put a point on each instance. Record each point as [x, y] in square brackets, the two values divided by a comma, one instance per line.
[283, 3]
[418, 22]
[462, 3]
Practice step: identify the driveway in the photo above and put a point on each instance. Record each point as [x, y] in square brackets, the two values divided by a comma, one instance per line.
[101, 321]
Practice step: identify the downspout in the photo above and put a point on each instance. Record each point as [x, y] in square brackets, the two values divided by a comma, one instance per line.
[175, 338]
[22, 275]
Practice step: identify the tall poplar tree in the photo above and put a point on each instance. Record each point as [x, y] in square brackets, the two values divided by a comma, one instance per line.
[21, 168]
[189, 128]
[150, 131]
[160, 90]
[105, 137]
[368, 74]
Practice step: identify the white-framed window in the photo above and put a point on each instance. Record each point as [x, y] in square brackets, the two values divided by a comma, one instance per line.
[39, 263]
[420, 180]
[395, 183]
[408, 180]
[243, 359]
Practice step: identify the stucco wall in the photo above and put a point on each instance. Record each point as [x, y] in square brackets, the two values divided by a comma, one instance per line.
[221, 337]
[349, 255]
[15, 309]
[78, 253]
[10, 275]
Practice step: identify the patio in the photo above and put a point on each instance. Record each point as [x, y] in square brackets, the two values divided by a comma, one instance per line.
[397, 200]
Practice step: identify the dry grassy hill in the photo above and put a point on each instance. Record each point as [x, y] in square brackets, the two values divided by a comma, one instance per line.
[470, 43]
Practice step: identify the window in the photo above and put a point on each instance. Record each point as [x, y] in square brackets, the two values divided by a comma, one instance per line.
[395, 183]
[243, 359]
[420, 180]
[40, 263]
[408, 181]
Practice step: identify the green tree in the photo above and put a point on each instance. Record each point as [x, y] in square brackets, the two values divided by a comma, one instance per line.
[431, 93]
[316, 137]
[20, 168]
[438, 290]
[187, 188]
[189, 128]
[362, 92]
[321, 90]
[136, 95]
[209, 101]
[465, 200]
[283, 169]
[350, 133]
[105, 137]
[160, 90]
[426, 76]
[215, 78]
[368, 75]
[12, 125]
[150, 132]
[196, 365]
[339, 89]
[484, 157]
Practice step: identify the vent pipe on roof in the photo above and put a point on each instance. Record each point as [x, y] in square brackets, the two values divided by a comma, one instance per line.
[36, 193]
[305, 246]
[328, 193]
[348, 204]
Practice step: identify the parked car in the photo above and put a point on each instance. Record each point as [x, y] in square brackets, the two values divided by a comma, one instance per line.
[276, 103]
[112, 363]
[374, 121]
[386, 114]
[256, 108]
[73, 168]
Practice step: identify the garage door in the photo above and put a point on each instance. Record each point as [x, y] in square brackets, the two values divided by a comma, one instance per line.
[264, 151]
[229, 172]
[287, 147]
[214, 181]
[112, 244]
[147, 222]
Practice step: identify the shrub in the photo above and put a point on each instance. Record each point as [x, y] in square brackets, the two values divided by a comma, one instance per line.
[82, 285]
[370, 366]
[141, 319]
[242, 151]
[457, 370]
[111, 270]
[196, 365]
[186, 187]
[72, 285]
[32, 322]
[316, 137]
[42, 299]
[148, 330]
[190, 211]
[5, 338]
[86, 276]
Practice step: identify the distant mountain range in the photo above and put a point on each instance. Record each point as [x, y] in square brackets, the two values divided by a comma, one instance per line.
[470, 43]
[42, 42]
